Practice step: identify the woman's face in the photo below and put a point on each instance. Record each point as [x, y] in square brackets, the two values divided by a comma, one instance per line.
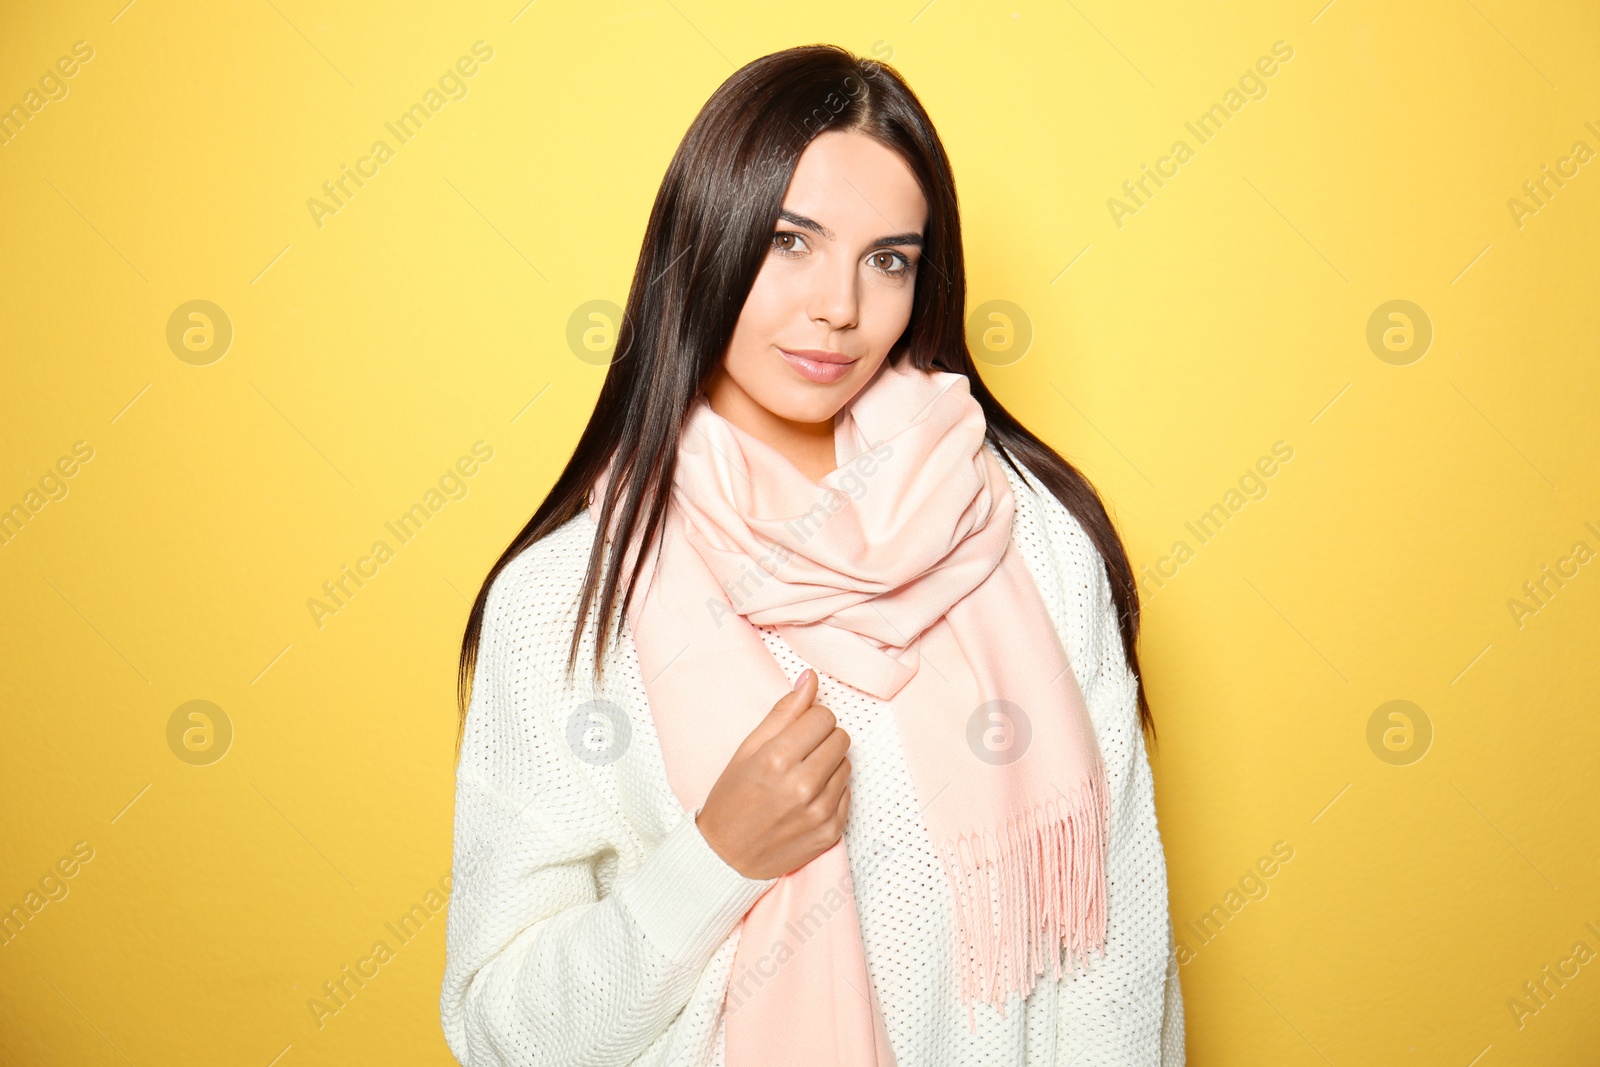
[834, 294]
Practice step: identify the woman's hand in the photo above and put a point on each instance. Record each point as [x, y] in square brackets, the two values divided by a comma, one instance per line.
[783, 798]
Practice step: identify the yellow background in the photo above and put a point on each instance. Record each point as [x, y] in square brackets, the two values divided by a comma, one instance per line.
[430, 312]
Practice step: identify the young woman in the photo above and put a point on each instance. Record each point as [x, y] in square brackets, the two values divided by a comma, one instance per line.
[805, 719]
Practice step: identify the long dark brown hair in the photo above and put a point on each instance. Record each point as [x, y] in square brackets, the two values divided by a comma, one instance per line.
[709, 233]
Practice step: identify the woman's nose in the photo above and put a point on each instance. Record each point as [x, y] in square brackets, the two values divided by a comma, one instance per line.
[834, 298]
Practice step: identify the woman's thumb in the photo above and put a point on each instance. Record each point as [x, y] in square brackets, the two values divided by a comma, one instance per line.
[799, 698]
[785, 710]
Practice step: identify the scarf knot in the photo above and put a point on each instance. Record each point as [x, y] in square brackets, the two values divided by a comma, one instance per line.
[852, 570]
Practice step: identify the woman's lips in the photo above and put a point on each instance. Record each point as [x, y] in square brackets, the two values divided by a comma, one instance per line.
[819, 367]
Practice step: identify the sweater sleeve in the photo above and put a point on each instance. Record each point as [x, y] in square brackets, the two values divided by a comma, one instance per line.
[1126, 1008]
[1128, 1005]
[1172, 1051]
[543, 966]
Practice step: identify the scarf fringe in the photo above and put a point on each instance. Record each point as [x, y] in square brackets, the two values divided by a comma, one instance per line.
[1024, 891]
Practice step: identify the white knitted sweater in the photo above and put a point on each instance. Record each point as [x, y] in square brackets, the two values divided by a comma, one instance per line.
[591, 923]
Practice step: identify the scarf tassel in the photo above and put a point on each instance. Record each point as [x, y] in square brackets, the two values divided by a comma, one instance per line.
[1025, 892]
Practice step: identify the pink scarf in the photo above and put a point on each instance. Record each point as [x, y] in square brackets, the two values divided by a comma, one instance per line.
[896, 574]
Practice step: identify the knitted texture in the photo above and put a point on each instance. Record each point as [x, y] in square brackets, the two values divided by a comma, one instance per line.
[590, 922]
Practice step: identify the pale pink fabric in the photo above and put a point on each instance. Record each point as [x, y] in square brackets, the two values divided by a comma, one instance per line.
[896, 575]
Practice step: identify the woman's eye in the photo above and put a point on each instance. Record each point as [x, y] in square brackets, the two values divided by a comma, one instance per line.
[789, 249]
[889, 267]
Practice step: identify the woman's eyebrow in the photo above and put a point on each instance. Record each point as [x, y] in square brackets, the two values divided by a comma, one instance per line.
[912, 239]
